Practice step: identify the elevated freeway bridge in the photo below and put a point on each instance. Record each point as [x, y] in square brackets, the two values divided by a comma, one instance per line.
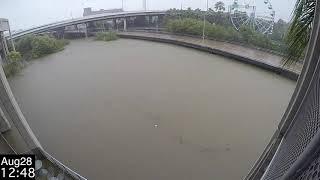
[61, 25]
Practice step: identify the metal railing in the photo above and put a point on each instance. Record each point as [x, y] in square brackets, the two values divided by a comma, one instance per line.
[293, 152]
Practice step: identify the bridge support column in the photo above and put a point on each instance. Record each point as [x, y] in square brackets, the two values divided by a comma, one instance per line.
[114, 24]
[86, 30]
[104, 25]
[4, 44]
[12, 43]
[124, 24]
[157, 23]
[60, 33]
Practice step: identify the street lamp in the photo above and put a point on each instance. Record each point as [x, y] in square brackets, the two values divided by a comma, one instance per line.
[204, 22]
[122, 5]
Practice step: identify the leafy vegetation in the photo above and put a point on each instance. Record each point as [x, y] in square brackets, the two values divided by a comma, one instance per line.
[300, 30]
[106, 36]
[218, 26]
[31, 47]
[44, 45]
[14, 65]
[219, 6]
[246, 35]
[214, 17]
[24, 45]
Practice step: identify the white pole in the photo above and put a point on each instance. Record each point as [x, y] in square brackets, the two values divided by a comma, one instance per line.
[204, 22]
[180, 11]
[122, 5]
[144, 5]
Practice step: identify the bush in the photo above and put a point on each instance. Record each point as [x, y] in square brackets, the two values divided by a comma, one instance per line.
[24, 45]
[44, 45]
[12, 68]
[106, 36]
[244, 35]
[31, 46]
[14, 65]
[185, 26]
[14, 56]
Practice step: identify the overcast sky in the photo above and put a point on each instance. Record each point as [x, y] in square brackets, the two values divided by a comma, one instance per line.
[24, 14]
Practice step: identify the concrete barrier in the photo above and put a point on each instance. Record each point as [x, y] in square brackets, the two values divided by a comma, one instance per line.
[283, 72]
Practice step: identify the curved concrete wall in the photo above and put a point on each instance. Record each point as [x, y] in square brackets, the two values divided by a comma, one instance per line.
[283, 72]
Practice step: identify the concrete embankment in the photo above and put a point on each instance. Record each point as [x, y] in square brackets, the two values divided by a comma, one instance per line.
[261, 59]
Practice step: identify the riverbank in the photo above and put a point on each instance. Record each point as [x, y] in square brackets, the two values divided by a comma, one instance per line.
[259, 58]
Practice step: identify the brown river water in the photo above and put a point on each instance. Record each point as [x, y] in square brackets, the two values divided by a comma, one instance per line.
[141, 110]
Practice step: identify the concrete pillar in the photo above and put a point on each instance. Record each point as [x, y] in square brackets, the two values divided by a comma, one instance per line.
[114, 24]
[104, 26]
[124, 24]
[4, 45]
[12, 43]
[157, 23]
[6, 49]
[86, 30]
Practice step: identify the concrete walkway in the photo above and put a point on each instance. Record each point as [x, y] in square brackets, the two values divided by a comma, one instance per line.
[261, 57]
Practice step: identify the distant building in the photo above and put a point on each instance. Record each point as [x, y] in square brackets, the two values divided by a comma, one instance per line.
[88, 11]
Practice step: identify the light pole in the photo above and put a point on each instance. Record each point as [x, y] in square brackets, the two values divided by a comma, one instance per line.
[122, 5]
[180, 11]
[144, 5]
[204, 22]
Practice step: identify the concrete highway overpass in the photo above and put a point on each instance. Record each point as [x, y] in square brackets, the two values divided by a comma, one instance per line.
[85, 20]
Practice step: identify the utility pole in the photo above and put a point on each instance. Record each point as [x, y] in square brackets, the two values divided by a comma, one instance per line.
[144, 5]
[122, 6]
[204, 22]
[180, 11]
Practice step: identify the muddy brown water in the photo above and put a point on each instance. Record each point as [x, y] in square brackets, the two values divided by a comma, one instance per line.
[139, 110]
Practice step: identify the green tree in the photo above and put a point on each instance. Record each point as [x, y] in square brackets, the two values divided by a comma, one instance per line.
[14, 65]
[280, 28]
[219, 6]
[14, 56]
[23, 45]
[299, 32]
[44, 45]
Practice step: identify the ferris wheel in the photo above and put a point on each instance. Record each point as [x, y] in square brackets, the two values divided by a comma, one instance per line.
[257, 15]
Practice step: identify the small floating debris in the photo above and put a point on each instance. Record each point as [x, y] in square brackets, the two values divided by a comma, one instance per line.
[156, 125]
